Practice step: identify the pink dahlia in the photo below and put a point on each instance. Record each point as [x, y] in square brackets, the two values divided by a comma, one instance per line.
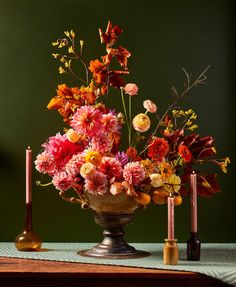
[45, 163]
[62, 181]
[133, 173]
[88, 121]
[73, 166]
[110, 123]
[111, 167]
[96, 184]
[101, 143]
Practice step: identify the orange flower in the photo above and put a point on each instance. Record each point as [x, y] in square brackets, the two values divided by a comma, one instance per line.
[55, 103]
[165, 169]
[64, 92]
[99, 71]
[111, 35]
[185, 153]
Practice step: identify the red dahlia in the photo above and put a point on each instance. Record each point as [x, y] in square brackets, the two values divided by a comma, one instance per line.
[157, 149]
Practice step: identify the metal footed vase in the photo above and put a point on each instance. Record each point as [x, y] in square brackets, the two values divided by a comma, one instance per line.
[113, 245]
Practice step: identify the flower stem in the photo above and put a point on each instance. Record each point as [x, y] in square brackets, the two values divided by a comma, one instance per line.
[125, 112]
[130, 118]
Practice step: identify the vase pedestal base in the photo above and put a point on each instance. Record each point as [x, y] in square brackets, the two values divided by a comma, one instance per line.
[113, 245]
[101, 251]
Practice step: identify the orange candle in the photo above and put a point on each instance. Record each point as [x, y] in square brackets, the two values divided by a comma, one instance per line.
[28, 176]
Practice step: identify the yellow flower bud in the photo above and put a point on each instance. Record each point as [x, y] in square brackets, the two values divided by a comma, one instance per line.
[72, 136]
[67, 33]
[72, 33]
[61, 70]
[71, 50]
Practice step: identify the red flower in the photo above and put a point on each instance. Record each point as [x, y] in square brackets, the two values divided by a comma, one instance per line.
[185, 153]
[158, 148]
[200, 147]
[207, 185]
[131, 152]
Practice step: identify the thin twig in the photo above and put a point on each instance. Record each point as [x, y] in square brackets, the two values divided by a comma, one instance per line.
[200, 80]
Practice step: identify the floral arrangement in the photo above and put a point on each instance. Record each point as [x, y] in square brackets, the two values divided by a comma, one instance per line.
[159, 151]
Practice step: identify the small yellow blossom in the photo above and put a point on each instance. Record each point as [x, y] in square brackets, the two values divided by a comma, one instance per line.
[71, 50]
[61, 70]
[63, 60]
[188, 123]
[173, 183]
[55, 56]
[193, 116]
[189, 112]
[67, 33]
[67, 64]
[193, 127]
[55, 43]
[94, 157]
[62, 44]
[72, 33]
[81, 42]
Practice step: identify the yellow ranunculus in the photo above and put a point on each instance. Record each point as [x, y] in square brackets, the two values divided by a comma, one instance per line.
[141, 123]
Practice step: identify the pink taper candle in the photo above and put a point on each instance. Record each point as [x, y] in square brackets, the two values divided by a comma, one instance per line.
[171, 218]
[28, 176]
[193, 184]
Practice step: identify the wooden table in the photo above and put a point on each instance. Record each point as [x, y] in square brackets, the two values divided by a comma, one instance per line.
[40, 273]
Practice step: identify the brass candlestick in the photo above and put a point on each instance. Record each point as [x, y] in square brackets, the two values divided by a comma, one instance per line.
[28, 240]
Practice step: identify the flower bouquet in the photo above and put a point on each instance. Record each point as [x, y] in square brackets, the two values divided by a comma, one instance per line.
[114, 161]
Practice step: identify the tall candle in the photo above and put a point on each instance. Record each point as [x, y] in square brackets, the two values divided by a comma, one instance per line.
[193, 185]
[28, 176]
[171, 219]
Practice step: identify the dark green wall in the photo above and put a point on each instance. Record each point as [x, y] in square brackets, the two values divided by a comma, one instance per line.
[163, 36]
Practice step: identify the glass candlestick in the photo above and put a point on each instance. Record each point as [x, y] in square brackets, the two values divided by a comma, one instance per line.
[193, 247]
[28, 240]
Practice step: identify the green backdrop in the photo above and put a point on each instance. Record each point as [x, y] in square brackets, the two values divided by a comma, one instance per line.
[163, 36]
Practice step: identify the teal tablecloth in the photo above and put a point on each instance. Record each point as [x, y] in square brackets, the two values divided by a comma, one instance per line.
[217, 260]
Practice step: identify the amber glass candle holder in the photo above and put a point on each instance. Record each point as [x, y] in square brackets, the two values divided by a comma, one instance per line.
[28, 240]
[170, 252]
